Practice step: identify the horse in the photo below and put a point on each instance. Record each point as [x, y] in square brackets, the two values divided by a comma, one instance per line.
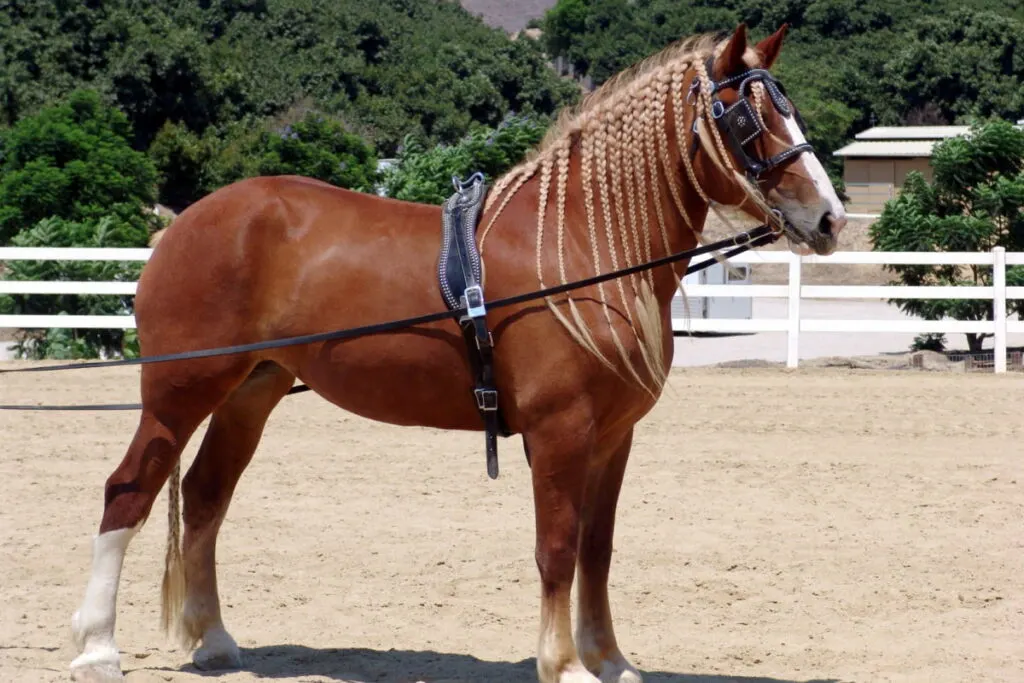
[627, 175]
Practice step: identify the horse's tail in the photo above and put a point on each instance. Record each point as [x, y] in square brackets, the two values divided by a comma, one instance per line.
[173, 591]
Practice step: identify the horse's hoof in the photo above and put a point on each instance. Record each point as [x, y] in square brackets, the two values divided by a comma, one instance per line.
[580, 675]
[219, 651]
[206, 660]
[98, 666]
[623, 672]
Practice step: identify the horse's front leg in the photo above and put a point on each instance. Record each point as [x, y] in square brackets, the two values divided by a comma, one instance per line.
[560, 449]
[595, 637]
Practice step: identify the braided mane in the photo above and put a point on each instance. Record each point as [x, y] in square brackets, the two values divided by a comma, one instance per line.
[620, 132]
[623, 85]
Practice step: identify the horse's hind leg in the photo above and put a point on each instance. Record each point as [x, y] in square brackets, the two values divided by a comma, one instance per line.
[227, 448]
[595, 637]
[174, 406]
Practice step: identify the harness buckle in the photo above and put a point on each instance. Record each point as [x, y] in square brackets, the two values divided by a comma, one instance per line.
[694, 88]
[461, 186]
[475, 307]
[486, 400]
[778, 227]
[487, 341]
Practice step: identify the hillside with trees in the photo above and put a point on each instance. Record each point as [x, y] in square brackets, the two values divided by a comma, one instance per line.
[848, 64]
[201, 80]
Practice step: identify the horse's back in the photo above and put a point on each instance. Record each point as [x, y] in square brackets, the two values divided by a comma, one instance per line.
[258, 256]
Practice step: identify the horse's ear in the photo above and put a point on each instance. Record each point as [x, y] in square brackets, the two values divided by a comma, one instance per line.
[731, 59]
[771, 46]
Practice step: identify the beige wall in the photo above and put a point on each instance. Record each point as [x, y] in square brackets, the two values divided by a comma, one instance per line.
[905, 166]
[872, 182]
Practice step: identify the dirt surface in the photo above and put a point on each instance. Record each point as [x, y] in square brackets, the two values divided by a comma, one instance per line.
[817, 525]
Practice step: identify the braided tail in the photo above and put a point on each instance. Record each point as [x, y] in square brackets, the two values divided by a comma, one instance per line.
[173, 591]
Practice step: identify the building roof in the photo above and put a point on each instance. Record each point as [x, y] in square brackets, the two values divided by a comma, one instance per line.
[887, 148]
[912, 132]
[902, 141]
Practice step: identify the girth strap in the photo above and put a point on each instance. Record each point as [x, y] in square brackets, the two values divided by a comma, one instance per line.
[459, 276]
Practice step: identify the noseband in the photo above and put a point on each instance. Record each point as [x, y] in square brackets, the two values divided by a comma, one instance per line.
[740, 125]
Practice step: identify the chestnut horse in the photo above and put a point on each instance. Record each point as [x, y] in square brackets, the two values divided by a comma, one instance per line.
[627, 176]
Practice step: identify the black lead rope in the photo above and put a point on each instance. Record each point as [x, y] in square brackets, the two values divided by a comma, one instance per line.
[740, 243]
[111, 406]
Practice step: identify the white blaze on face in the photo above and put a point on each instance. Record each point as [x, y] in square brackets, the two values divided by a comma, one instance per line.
[815, 171]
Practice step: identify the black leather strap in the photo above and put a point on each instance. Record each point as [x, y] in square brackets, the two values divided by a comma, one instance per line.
[739, 124]
[459, 275]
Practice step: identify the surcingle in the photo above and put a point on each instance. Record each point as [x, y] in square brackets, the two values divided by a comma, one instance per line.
[460, 279]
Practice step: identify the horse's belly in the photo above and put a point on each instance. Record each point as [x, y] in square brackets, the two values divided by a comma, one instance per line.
[417, 377]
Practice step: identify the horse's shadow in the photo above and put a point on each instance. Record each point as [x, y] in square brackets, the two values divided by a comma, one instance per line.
[360, 665]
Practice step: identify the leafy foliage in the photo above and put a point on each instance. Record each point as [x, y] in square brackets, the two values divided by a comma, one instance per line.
[847, 64]
[387, 68]
[424, 174]
[319, 147]
[73, 161]
[315, 146]
[71, 179]
[975, 203]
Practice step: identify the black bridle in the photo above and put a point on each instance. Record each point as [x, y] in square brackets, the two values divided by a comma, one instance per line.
[740, 124]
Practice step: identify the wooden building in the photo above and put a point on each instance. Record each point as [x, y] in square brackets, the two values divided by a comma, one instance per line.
[876, 164]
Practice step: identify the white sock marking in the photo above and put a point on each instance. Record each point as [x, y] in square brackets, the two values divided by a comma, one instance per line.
[93, 623]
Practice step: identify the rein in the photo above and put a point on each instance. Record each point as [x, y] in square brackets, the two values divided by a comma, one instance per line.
[737, 244]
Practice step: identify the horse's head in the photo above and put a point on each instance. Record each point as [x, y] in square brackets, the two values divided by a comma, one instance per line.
[763, 134]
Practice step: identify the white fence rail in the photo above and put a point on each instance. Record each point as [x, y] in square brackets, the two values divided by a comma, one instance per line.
[794, 291]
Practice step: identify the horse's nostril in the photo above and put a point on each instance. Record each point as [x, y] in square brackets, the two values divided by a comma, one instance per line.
[825, 224]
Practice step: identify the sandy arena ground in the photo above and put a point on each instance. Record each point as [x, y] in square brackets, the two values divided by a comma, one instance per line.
[775, 527]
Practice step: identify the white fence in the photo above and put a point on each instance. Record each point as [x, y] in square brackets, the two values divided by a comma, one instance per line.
[794, 291]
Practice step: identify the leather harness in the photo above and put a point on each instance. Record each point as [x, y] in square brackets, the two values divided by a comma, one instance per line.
[740, 124]
[459, 277]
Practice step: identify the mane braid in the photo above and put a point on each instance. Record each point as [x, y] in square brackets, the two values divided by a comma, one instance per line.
[607, 165]
[615, 162]
[609, 227]
[624, 86]
[625, 141]
[619, 133]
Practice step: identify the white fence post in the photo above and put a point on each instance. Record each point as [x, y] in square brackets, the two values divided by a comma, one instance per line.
[999, 306]
[793, 336]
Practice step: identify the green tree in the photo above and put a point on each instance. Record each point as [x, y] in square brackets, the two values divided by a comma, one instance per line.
[71, 179]
[309, 144]
[73, 161]
[974, 203]
[319, 147]
[183, 161]
[424, 174]
[960, 64]
[387, 68]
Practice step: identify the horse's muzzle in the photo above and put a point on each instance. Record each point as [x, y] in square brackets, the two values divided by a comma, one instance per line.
[821, 240]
